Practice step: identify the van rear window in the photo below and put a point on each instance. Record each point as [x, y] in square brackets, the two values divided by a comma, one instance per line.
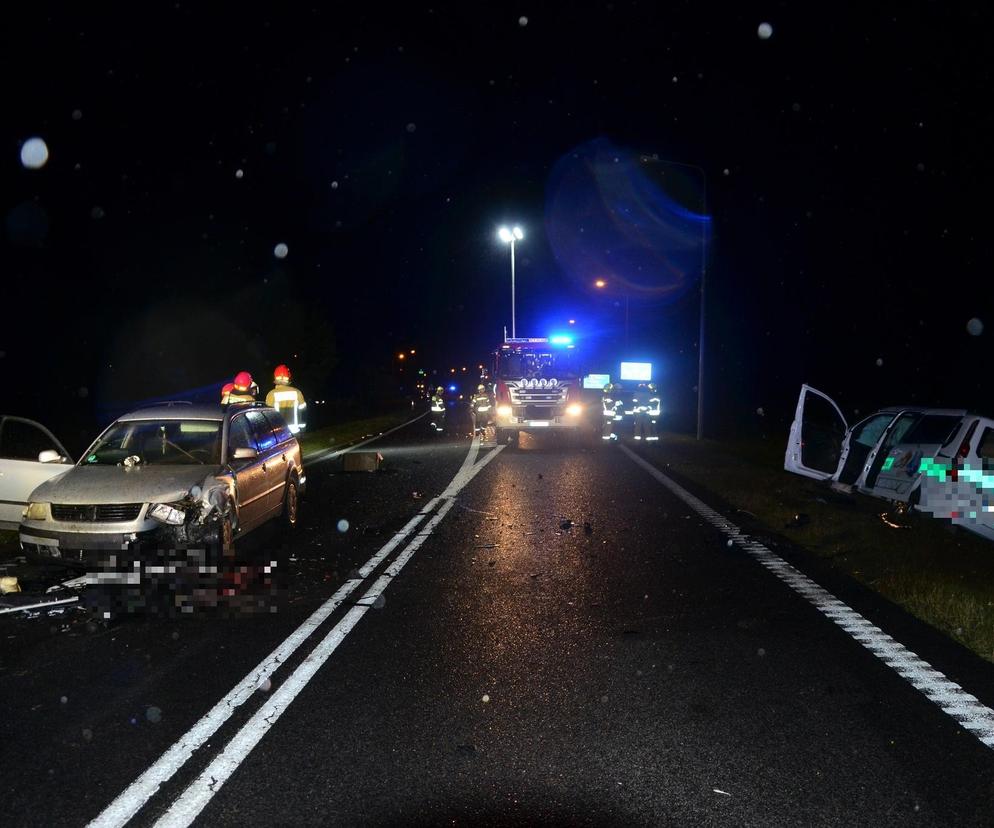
[933, 429]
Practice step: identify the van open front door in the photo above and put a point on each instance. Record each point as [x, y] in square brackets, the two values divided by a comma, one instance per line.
[814, 448]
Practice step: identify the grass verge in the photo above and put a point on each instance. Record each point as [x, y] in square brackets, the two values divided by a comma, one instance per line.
[349, 431]
[939, 573]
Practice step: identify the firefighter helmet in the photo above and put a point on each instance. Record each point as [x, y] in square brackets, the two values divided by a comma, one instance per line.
[282, 373]
[481, 388]
[243, 381]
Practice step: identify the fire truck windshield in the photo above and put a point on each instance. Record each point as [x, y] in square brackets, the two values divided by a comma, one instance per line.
[536, 365]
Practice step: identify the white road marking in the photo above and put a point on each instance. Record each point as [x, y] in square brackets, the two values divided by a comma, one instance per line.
[952, 699]
[316, 457]
[137, 794]
[188, 806]
[43, 604]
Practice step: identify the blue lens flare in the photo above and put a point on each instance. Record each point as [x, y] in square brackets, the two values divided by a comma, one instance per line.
[622, 224]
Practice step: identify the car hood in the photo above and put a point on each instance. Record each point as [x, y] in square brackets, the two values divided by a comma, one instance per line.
[116, 484]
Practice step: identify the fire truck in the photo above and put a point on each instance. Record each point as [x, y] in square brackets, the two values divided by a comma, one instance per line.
[538, 388]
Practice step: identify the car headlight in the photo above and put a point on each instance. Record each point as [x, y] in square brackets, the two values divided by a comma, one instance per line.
[574, 410]
[35, 511]
[503, 411]
[164, 513]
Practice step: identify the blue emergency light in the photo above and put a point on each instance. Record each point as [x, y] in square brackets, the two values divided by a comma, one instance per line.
[452, 388]
[561, 339]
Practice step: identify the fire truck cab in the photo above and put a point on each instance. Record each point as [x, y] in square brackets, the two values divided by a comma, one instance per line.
[537, 388]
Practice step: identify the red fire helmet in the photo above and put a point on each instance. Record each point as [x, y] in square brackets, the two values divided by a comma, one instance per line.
[281, 372]
[243, 381]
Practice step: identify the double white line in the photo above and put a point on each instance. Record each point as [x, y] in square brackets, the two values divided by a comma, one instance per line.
[196, 796]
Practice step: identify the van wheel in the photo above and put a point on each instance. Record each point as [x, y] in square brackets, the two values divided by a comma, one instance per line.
[291, 504]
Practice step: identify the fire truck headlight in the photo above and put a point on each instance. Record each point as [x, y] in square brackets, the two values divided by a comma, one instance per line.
[574, 410]
[503, 411]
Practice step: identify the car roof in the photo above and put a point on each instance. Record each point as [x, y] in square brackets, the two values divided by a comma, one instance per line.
[918, 409]
[173, 411]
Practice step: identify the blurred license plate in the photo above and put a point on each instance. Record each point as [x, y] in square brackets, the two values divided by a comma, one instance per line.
[538, 422]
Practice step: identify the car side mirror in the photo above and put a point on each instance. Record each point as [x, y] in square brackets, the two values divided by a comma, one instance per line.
[49, 456]
[244, 453]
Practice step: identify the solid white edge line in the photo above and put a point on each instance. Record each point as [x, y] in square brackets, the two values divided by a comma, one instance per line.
[36, 606]
[198, 794]
[329, 454]
[946, 694]
[137, 794]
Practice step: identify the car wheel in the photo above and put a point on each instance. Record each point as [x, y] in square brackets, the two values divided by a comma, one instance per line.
[291, 504]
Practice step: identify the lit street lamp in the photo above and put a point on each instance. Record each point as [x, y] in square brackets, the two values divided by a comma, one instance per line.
[510, 237]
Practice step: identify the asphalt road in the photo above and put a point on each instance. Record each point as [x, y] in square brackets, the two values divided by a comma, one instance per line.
[559, 639]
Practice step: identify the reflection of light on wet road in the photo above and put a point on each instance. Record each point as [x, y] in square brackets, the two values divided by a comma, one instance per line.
[534, 592]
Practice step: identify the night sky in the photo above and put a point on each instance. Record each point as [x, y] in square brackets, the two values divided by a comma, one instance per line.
[848, 169]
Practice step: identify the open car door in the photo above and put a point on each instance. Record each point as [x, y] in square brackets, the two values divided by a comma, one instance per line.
[29, 455]
[817, 435]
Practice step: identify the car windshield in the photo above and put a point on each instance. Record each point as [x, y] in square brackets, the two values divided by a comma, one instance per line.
[159, 443]
[535, 365]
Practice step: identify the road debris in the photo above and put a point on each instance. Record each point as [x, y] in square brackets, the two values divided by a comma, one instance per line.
[798, 520]
[9, 584]
[720, 791]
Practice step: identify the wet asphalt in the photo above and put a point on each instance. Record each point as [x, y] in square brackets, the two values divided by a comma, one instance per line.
[570, 646]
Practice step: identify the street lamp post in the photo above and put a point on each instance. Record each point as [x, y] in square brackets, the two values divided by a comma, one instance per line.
[704, 260]
[510, 237]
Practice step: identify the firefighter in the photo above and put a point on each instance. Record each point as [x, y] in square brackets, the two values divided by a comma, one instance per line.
[646, 405]
[613, 408]
[482, 409]
[438, 409]
[287, 400]
[243, 389]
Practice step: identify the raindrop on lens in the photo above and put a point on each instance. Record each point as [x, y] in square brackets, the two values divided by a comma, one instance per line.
[34, 153]
[412, 127]
[154, 715]
[343, 525]
[280, 251]
[765, 31]
[975, 327]
[522, 21]
[880, 362]
[239, 173]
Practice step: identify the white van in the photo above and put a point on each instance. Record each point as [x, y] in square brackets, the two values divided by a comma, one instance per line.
[959, 484]
[881, 455]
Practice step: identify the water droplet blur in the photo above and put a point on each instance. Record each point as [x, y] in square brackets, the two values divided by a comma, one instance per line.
[486, 698]
[761, 412]
[343, 525]
[83, 392]
[975, 327]
[239, 173]
[765, 31]
[334, 185]
[280, 251]
[77, 114]
[761, 652]
[34, 153]
[87, 734]
[880, 362]
[97, 213]
[726, 171]
[380, 602]
[920, 167]
[64, 700]
[522, 21]
[265, 685]
[154, 715]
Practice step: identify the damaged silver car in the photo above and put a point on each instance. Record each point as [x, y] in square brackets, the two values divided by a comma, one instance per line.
[167, 478]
